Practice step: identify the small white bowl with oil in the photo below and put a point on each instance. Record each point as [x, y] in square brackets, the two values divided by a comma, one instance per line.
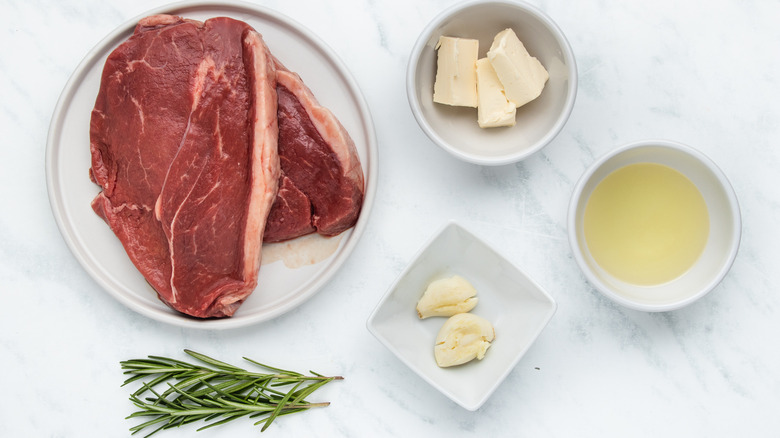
[654, 225]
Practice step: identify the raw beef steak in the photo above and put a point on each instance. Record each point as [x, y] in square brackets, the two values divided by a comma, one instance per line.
[322, 185]
[183, 139]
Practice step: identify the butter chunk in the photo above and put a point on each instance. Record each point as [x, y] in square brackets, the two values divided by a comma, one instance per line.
[456, 76]
[522, 75]
[494, 109]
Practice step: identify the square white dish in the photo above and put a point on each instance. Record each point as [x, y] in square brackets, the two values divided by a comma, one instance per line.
[518, 308]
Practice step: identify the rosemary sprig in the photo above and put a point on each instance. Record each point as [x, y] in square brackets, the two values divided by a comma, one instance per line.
[215, 393]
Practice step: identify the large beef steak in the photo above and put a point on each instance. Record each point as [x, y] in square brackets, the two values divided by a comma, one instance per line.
[183, 139]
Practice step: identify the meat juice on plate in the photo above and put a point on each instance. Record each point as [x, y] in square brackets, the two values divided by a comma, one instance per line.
[646, 224]
[300, 252]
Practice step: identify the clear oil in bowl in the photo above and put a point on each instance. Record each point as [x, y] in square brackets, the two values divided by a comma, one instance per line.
[646, 224]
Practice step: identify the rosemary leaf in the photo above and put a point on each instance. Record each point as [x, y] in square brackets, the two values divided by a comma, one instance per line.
[214, 362]
[228, 418]
[278, 370]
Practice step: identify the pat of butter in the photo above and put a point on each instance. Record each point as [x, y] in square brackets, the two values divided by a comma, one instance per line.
[522, 75]
[456, 76]
[494, 109]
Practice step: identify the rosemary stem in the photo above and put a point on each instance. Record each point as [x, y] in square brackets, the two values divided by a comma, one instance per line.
[216, 392]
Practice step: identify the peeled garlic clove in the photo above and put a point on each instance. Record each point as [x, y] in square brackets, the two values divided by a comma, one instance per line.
[447, 297]
[462, 338]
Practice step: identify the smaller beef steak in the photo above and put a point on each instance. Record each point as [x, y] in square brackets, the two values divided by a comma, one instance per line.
[322, 184]
[290, 215]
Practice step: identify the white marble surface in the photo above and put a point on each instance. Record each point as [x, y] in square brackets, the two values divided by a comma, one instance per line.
[699, 72]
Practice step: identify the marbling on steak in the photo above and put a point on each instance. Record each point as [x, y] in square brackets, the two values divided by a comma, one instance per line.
[184, 146]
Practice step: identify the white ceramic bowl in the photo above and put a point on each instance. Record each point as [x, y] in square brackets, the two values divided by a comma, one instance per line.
[517, 307]
[721, 247]
[455, 129]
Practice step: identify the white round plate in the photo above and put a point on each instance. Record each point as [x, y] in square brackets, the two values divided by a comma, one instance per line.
[280, 289]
